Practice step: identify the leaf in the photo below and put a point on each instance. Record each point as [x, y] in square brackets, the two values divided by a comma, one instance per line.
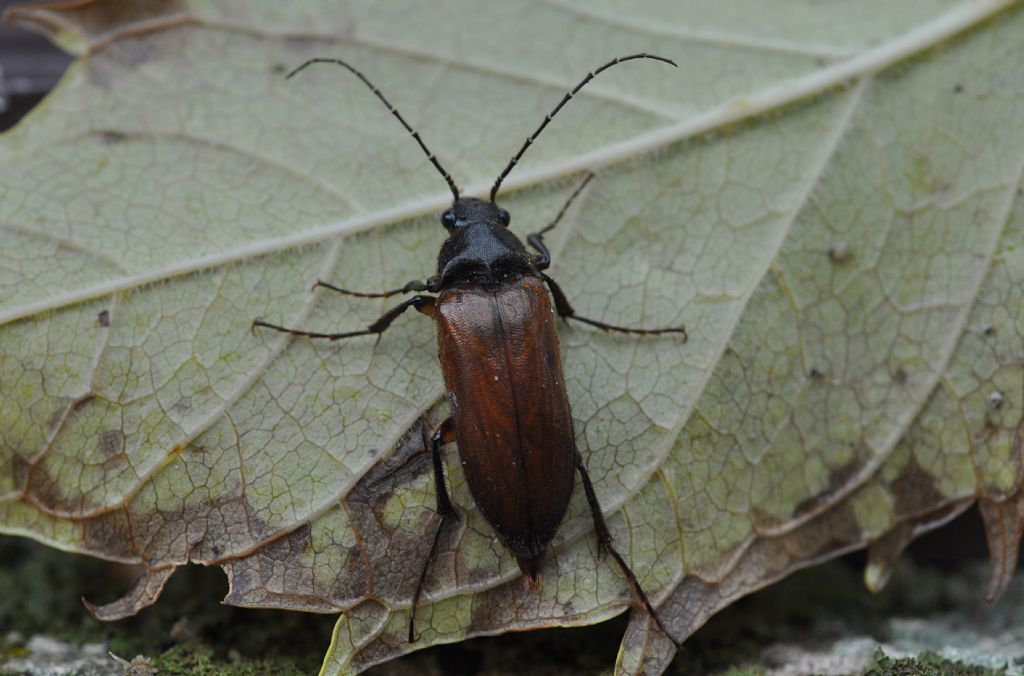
[828, 197]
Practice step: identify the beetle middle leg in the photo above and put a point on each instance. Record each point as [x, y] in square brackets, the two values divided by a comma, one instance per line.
[604, 537]
[445, 434]
[566, 311]
[424, 304]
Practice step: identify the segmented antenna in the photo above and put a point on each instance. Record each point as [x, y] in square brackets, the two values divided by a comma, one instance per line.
[590, 76]
[415, 134]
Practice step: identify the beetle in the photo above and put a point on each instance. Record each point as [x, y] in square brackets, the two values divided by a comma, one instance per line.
[500, 359]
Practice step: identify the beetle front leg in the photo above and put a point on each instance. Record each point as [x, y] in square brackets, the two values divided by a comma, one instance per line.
[536, 240]
[566, 311]
[604, 537]
[424, 304]
[445, 434]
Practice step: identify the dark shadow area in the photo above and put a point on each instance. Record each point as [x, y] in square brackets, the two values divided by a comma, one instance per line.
[960, 540]
[43, 588]
[30, 66]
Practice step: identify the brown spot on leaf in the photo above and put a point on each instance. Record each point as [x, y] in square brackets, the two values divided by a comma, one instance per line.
[40, 488]
[203, 533]
[56, 417]
[111, 533]
[278, 575]
[80, 403]
[275, 576]
[111, 443]
[510, 604]
[20, 470]
[914, 489]
[183, 405]
[66, 409]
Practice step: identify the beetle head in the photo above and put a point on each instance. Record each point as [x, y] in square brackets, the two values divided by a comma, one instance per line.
[469, 210]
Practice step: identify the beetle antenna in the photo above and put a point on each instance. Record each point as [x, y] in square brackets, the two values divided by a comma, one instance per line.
[394, 111]
[590, 76]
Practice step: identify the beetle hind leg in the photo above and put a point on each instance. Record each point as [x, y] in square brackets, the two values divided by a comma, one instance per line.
[604, 537]
[444, 434]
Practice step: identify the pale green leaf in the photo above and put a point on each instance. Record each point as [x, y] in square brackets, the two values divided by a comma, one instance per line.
[827, 195]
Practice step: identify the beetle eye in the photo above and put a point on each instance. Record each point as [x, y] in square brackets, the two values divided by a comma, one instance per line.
[504, 216]
[448, 219]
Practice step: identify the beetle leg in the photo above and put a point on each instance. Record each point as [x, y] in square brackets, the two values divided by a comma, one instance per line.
[424, 304]
[414, 285]
[445, 434]
[566, 311]
[604, 537]
[536, 240]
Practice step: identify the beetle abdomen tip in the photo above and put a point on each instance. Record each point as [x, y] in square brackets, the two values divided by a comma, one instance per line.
[531, 571]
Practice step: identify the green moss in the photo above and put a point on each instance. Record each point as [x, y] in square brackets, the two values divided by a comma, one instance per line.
[925, 664]
[197, 659]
